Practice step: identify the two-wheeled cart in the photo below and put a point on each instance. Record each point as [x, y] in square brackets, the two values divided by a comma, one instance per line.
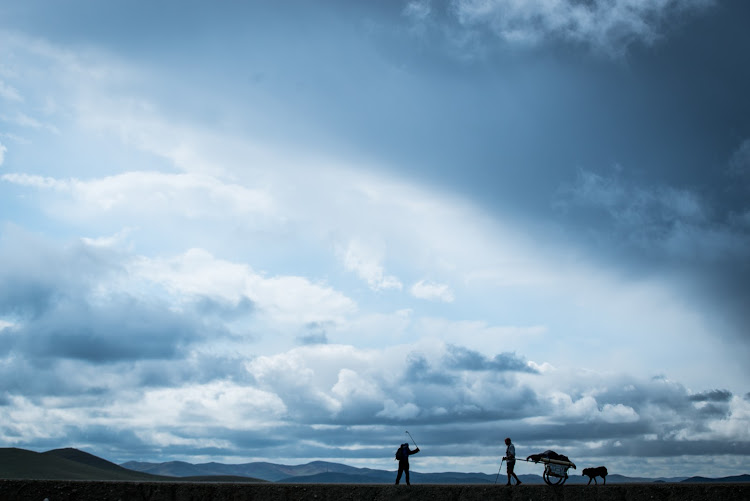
[555, 470]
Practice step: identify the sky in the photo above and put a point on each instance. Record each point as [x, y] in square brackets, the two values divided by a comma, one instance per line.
[293, 231]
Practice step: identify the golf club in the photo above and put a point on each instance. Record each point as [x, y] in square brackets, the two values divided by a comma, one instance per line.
[412, 439]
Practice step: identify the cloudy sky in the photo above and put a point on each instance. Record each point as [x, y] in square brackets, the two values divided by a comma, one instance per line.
[294, 230]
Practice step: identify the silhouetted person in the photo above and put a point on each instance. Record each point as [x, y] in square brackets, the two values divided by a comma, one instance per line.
[510, 460]
[403, 462]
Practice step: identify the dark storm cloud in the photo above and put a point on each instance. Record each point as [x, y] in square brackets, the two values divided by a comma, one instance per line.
[33, 379]
[34, 276]
[49, 292]
[458, 358]
[659, 140]
[198, 368]
[127, 330]
[104, 441]
[24, 297]
[648, 217]
[699, 237]
[574, 433]
[464, 359]
[711, 396]
[714, 411]
[419, 370]
[671, 448]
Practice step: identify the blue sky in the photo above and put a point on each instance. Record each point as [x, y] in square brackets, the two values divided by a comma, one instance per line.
[293, 231]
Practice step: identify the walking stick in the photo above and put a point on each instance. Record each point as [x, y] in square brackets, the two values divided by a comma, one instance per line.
[498, 470]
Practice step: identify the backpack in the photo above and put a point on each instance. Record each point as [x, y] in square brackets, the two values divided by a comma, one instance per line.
[399, 454]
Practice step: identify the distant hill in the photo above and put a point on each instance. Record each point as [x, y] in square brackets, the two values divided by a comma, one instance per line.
[68, 464]
[266, 471]
[622, 479]
[73, 464]
[725, 480]
[338, 478]
[171, 469]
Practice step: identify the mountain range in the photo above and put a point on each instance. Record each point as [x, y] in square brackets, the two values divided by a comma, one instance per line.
[73, 464]
[327, 472]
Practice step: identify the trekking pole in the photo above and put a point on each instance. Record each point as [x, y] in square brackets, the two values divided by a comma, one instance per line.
[412, 439]
[498, 470]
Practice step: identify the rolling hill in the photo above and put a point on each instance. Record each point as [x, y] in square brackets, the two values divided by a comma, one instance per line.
[73, 464]
[267, 471]
[732, 479]
[68, 464]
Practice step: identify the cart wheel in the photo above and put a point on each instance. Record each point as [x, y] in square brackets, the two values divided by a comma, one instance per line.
[553, 480]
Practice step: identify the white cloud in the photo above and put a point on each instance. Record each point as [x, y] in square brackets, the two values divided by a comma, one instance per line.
[112, 241]
[352, 386]
[401, 411]
[618, 413]
[608, 25]
[197, 273]
[432, 291]
[155, 193]
[366, 261]
[3, 150]
[34, 181]
[734, 427]
[221, 403]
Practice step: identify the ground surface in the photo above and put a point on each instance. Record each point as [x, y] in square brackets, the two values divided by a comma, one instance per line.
[54, 490]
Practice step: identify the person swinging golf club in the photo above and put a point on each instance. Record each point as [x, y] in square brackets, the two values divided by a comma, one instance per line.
[402, 454]
[510, 461]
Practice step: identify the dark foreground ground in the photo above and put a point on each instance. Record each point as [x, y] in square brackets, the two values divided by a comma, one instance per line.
[68, 490]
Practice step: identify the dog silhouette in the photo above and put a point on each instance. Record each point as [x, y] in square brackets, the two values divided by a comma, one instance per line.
[592, 473]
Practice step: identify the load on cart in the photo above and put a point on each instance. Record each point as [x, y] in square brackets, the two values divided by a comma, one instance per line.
[555, 466]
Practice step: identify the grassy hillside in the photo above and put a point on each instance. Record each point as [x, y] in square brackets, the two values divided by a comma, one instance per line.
[69, 464]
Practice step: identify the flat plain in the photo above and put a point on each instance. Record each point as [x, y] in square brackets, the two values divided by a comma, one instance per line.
[68, 490]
